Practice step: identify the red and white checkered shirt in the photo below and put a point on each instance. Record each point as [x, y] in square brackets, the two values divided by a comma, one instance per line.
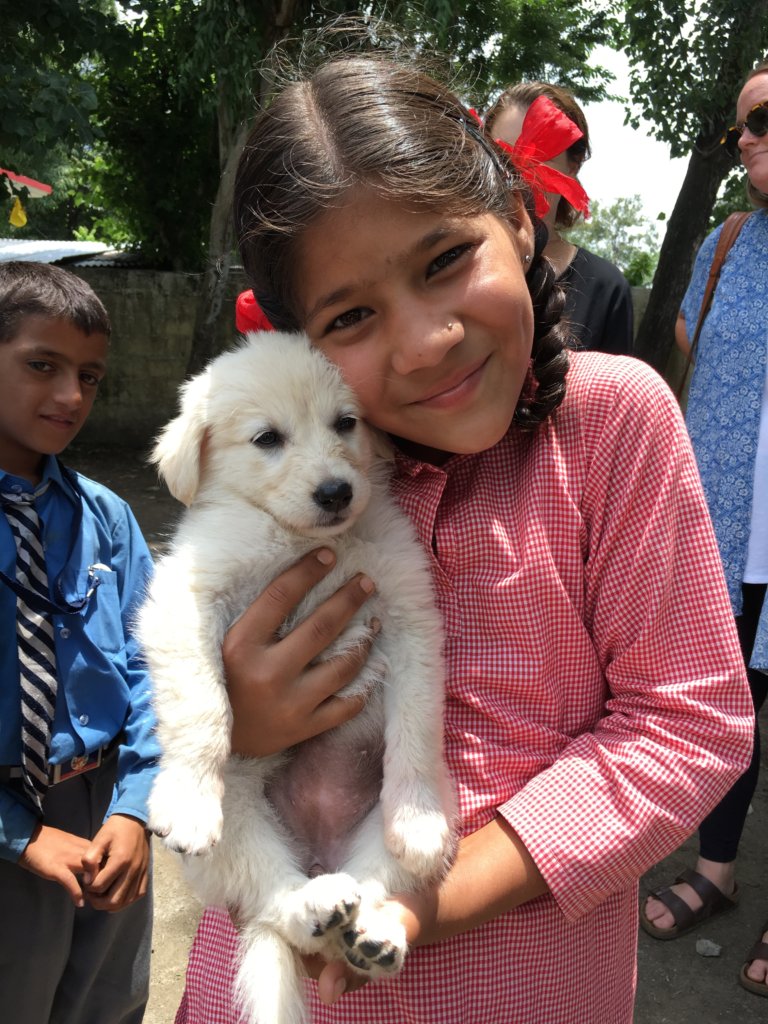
[596, 699]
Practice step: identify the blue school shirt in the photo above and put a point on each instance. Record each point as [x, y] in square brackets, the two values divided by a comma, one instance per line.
[104, 686]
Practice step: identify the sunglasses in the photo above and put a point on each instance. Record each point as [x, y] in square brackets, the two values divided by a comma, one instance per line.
[757, 122]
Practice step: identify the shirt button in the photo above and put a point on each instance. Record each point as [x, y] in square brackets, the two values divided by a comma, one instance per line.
[83, 719]
[64, 633]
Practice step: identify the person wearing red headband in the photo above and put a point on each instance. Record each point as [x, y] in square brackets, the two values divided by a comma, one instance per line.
[548, 136]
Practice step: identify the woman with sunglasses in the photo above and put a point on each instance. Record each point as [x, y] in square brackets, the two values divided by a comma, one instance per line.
[727, 418]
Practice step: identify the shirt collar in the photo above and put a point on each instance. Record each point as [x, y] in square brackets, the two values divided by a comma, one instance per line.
[52, 470]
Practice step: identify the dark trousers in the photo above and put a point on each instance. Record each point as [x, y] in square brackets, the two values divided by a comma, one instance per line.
[720, 832]
[60, 964]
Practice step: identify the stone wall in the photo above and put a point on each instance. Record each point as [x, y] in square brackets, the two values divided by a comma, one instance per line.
[153, 316]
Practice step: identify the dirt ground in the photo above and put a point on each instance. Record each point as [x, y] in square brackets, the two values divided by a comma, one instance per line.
[676, 985]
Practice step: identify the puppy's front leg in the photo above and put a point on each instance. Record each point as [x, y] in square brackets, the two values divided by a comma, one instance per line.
[416, 796]
[182, 648]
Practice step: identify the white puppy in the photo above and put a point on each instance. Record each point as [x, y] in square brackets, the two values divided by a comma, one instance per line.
[272, 458]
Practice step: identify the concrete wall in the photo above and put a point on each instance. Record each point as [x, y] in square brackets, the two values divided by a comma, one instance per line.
[153, 316]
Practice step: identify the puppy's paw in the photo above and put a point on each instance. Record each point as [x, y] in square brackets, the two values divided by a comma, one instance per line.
[421, 840]
[375, 944]
[185, 812]
[319, 910]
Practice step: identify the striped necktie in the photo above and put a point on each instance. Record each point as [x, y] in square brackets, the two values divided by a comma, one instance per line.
[34, 636]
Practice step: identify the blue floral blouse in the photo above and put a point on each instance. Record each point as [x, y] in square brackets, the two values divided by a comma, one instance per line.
[726, 395]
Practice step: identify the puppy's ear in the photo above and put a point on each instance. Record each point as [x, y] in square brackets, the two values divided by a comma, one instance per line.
[178, 450]
[381, 445]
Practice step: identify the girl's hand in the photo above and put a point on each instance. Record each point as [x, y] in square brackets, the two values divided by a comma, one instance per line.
[336, 977]
[278, 698]
[492, 873]
[333, 979]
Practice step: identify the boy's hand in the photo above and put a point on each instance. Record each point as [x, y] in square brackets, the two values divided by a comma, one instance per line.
[57, 856]
[115, 864]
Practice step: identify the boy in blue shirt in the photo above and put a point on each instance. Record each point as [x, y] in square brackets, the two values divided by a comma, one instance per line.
[74, 778]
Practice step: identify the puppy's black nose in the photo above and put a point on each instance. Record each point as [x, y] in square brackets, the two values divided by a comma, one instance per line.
[333, 495]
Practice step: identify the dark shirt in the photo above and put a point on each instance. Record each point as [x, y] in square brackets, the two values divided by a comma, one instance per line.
[598, 304]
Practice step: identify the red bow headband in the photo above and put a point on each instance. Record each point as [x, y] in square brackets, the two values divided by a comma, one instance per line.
[546, 132]
[249, 316]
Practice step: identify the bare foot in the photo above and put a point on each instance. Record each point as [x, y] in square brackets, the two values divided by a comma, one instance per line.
[721, 875]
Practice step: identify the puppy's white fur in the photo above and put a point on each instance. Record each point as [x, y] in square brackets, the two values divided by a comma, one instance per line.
[271, 457]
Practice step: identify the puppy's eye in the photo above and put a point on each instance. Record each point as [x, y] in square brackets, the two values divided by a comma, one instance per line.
[267, 439]
[346, 424]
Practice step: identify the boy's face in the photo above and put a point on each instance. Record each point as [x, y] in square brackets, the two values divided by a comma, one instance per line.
[49, 375]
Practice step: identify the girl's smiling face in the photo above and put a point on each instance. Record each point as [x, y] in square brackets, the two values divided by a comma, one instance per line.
[428, 317]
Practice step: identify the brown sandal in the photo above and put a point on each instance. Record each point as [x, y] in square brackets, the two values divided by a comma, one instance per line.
[758, 952]
[713, 902]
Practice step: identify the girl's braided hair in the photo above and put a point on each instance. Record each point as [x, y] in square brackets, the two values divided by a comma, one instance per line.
[374, 120]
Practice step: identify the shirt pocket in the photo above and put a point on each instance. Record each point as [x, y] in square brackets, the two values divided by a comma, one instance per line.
[102, 614]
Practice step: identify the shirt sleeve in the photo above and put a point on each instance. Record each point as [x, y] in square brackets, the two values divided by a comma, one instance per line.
[138, 754]
[17, 823]
[678, 724]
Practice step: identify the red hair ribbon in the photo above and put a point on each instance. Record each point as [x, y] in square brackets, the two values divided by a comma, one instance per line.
[546, 132]
[249, 316]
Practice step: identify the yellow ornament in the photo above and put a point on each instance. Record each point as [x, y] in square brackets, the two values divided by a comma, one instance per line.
[18, 217]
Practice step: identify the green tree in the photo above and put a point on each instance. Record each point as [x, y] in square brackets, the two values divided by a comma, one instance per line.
[619, 232]
[552, 38]
[47, 101]
[158, 95]
[731, 198]
[688, 60]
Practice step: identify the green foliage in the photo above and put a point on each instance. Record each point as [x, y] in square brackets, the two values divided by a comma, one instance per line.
[731, 198]
[501, 41]
[155, 168]
[130, 110]
[620, 233]
[45, 96]
[688, 59]
[48, 100]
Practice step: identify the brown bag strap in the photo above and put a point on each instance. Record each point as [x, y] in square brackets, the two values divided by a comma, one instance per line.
[730, 232]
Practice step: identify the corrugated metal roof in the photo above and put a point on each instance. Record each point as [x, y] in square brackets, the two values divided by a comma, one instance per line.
[114, 258]
[46, 251]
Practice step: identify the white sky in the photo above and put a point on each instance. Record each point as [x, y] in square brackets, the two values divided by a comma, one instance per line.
[626, 162]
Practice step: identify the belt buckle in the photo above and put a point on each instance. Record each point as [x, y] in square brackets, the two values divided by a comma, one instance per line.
[80, 763]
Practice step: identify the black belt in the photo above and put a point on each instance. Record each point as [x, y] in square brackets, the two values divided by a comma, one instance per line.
[76, 766]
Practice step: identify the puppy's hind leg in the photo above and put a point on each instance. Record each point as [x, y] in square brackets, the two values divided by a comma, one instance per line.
[268, 983]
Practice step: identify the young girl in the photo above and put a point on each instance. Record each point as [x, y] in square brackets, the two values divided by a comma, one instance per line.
[596, 700]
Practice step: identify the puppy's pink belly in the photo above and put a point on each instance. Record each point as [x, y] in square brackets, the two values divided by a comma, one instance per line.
[321, 795]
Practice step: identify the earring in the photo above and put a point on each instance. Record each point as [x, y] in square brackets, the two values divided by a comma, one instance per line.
[450, 325]
[527, 258]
